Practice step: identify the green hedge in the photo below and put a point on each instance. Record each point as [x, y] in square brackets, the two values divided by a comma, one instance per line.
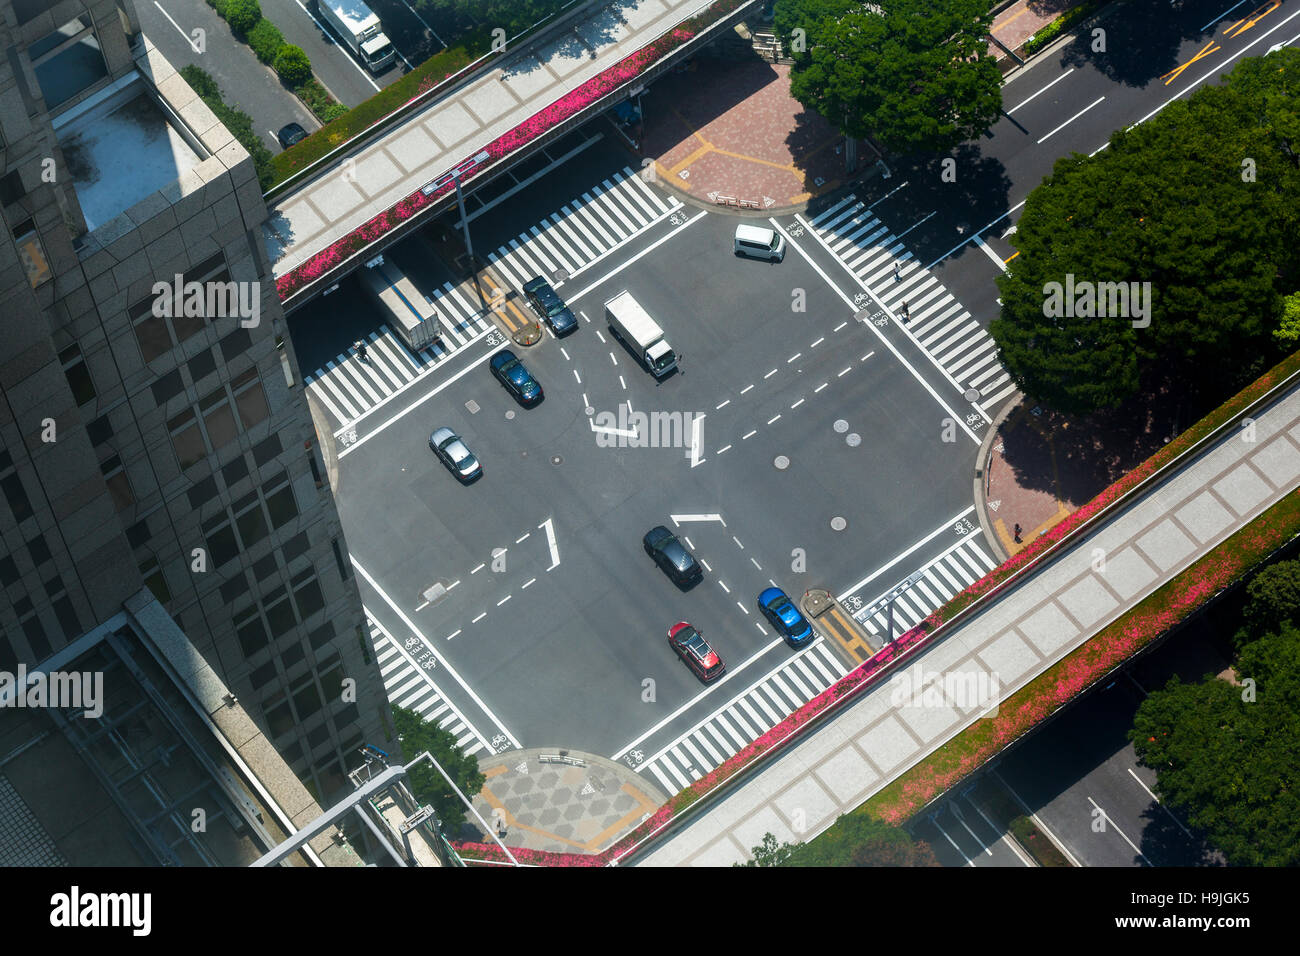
[266, 40]
[292, 65]
[392, 97]
[242, 15]
[239, 123]
[319, 101]
[1062, 23]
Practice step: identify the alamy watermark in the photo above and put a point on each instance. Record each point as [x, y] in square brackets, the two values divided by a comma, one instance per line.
[1100, 300]
[631, 429]
[65, 690]
[964, 690]
[213, 300]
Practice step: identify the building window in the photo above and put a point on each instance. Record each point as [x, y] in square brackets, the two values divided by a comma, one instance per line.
[307, 593]
[74, 367]
[16, 495]
[251, 631]
[220, 536]
[250, 398]
[31, 252]
[67, 61]
[151, 570]
[187, 440]
[279, 615]
[218, 419]
[280, 503]
[118, 484]
[251, 521]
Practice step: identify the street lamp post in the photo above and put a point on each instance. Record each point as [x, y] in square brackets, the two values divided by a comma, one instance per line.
[889, 602]
[455, 176]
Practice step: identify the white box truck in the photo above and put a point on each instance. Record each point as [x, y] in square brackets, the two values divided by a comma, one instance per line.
[409, 315]
[634, 327]
[361, 31]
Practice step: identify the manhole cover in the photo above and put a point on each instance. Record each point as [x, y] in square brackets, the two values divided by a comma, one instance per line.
[841, 426]
[559, 275]
[781, 462]
[557, 460]
[838, 523]
[971, 395]
[472, 406]
[854, 439]
[590, 411]
[510, 414]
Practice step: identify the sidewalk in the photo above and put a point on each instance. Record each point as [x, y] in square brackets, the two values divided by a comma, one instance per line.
[1018, 22]
[1017, 637]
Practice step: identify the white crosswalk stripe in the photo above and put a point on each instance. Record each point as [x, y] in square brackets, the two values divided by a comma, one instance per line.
[745, 717]
[412, 687]
[961, 347]
[953, 571]
[581, 232]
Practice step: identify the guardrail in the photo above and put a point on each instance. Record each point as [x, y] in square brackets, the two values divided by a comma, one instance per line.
[583, 115]
[448, 85]
[924, 640]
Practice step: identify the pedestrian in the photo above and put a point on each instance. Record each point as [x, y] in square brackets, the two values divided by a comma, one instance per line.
[907, 314]
[360, 346]
[898, 271]
[1016, 530]
[501, 827]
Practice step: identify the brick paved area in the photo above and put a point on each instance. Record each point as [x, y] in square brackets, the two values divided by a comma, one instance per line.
[732, 128]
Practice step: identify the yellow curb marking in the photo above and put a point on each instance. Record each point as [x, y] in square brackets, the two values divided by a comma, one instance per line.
[846, 634]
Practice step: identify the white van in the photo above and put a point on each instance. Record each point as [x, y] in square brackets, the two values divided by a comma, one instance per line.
[759, 243]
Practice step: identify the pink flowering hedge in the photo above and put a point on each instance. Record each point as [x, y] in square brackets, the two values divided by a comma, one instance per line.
[562, 109]
[939, 772]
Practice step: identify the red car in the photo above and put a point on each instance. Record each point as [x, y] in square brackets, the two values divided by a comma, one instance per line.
[691, 647]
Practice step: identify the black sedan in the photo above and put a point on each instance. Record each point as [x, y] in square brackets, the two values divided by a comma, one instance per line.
[670, 554]
[288, 135]
[518, 381]
[548, 305]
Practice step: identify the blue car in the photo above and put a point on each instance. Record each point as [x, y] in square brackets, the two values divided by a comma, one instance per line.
[784, 616]
[511, 373]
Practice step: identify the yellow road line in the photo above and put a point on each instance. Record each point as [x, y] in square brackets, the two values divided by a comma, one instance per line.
[846, 634]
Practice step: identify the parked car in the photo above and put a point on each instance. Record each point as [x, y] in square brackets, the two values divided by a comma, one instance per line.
[288, 135]
[671, 555]
[549, 306]
[691, 647]
[781, 613]
[455, 454]
[518, 381]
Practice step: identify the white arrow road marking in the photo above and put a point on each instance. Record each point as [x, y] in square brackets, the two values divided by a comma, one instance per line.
[695, 439]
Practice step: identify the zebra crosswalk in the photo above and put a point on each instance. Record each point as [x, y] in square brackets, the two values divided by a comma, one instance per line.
[583, 230]
[744, 719]
[406, 674]
[946, 331]
[950, 573]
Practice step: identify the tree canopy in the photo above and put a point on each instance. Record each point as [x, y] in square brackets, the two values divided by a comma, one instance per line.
[1229, 763]
[418, 735]
[1201, 202]
[854, 840]
[914, 76]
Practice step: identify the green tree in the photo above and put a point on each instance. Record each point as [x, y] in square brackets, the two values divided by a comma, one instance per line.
[1200, 202]
[242, 15]
[292, 65]
[916, 77]
[769, 853]
[418, 735]
[853, 840]
[1272, 599]
[1231, 764]
[1288, 330]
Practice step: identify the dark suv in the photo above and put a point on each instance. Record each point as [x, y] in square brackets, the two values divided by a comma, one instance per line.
[669, 553]
[548, 305]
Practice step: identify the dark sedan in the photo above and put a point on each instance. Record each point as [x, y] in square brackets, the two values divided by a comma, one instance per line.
[511, 373]
[669, 553]
[291, 134]
[548, 305]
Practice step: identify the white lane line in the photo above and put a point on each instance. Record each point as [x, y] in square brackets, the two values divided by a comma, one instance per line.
[687, 539]
[577, 376]
[1123, 835]
[793, 357]
[696, 439]
[504, 599]
[743, 608]
[818, 342]
[1221, 16]
[528, 582]
[621, 382]
[1072, 119]
[820, 387]
[479, 618]
[724, 587]
[746, 389]
[706, 565]
[600, 336]
[678, 519]
[977, 232]
[722, 449]
[549, 525]
[1162, 806]
[840, 326]
[723, 405]
[867, 356]
[612, 359]
[441, 660]
[188, 39]
[769, 375]
[420, 608]
[845, 372]
[798, 403]
[453, 634]
[988, 251]
[585, 403]
[756, 564]
[527, 534]
[738, 544]
[750, 435]
[453, 584]
[565, 354]
[771, 420]
[479, 568]
[1045, 89]
[585, 319]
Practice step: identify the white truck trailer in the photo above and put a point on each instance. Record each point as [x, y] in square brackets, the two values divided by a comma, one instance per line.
[409, 313]
[361, 31]
[633, 326]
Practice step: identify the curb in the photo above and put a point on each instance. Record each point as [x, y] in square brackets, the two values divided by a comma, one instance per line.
[981, 476]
